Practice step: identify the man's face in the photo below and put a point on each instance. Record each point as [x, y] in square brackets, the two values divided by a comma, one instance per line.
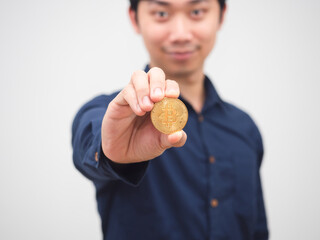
[178, 34]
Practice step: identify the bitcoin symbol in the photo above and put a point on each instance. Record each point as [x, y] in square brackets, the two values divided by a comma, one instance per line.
[168, 116]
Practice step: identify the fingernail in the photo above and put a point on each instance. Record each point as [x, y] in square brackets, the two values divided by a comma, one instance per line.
[146, 101]
[157, 92]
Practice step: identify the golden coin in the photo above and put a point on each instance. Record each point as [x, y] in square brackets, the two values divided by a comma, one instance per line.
[169, 115]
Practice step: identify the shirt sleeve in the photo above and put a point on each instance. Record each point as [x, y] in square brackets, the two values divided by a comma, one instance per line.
[88, 156]
[261, 229]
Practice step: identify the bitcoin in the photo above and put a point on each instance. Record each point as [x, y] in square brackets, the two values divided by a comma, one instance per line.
[169, 115]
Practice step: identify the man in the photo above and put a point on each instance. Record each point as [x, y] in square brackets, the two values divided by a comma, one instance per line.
[156, 186]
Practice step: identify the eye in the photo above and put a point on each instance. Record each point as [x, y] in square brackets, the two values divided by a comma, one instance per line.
[197, 13]
[161, 15]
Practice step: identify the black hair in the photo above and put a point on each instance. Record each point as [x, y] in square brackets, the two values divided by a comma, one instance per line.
[134, 4]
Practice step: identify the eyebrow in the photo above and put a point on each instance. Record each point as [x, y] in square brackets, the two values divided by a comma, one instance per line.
[197, 1]
[164, 3]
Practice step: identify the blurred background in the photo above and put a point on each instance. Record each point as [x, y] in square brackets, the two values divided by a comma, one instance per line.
[56, 55]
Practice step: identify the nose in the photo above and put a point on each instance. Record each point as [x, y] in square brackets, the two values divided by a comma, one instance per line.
[180, 30]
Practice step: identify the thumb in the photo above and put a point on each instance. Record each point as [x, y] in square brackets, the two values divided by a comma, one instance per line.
[176, 139]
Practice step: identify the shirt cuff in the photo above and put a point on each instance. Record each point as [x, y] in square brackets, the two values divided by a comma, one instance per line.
[130, 173]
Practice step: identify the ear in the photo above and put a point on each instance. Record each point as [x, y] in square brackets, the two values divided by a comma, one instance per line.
[223, 13]
[134, 20]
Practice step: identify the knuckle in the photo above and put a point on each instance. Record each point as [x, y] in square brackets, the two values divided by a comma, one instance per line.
[163, 145]
[142, 88]
[137, 74]
[142, 91]
[126, 91]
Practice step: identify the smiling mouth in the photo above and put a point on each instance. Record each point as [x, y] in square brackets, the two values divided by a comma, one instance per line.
[181, 54]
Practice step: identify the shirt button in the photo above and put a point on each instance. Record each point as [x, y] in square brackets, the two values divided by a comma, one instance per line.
[214, 203]
[96, 156]
[212, 159]
[200, 118]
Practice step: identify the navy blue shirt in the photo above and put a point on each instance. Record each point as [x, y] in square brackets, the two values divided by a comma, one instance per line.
[208, 189]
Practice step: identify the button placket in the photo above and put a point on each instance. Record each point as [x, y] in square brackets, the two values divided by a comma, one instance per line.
[214, 203]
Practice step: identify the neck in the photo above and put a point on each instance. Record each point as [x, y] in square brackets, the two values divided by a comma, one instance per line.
[191, 88]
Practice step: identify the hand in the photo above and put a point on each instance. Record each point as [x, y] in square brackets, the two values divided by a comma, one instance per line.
[127, 132]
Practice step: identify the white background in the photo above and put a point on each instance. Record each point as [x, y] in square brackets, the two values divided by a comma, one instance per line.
[55, 55]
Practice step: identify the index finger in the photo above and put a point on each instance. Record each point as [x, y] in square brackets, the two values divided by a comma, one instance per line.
[157, 84]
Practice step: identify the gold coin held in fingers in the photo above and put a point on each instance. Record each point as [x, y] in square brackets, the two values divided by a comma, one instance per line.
[169, 115]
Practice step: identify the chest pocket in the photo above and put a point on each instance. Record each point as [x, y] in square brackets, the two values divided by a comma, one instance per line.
[223, 176]
[235, 179]
[245, 164]
[234, 176]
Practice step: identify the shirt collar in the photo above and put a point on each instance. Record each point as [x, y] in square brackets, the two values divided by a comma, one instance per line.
[212, 96]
